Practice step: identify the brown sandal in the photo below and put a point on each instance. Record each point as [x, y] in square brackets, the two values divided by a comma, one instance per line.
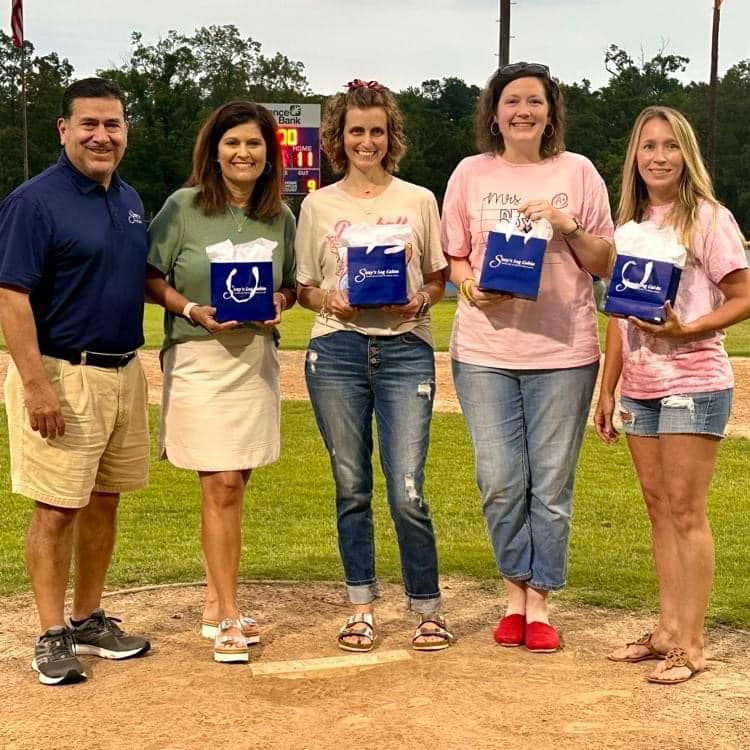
[645, 642]
[676, 657]
[440, 637]
[359, 625]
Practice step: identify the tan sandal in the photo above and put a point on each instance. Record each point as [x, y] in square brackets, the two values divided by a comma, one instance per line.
[367, 632]
[230, 648]
[440, 637]
[645, 642]
[676, 657]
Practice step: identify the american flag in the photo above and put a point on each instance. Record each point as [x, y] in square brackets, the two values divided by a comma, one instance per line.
[16, 22]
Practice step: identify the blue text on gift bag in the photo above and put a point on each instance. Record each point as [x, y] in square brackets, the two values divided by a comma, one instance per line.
[242, 290]
[376, 276]
[513, 265]
[640, 287]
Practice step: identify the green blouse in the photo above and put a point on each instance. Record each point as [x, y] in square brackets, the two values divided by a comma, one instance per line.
[178, 238]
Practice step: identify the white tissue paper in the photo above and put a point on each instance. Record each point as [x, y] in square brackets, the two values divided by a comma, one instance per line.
[254, 251]
[650, 242]
[372, 235]
[541, 229]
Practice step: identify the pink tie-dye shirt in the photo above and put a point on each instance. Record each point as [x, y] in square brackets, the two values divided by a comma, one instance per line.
[657, 367]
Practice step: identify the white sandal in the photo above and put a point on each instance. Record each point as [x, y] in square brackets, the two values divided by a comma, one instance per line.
[249, 628]
[229, 648]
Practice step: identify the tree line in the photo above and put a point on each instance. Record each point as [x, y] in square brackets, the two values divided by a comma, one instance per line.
[172, 84]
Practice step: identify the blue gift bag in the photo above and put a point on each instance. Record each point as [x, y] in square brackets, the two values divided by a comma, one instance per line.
[640, 287]
[376, 277]
[242, 290]
[513, 265]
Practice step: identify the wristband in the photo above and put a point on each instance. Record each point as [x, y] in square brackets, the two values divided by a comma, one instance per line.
[187, 309]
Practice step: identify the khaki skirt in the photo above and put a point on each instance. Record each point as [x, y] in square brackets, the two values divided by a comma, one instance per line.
[221, 403]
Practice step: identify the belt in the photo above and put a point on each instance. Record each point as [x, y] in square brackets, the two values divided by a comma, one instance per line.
[93, 359]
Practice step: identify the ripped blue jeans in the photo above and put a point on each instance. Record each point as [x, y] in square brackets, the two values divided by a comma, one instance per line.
[350, 378]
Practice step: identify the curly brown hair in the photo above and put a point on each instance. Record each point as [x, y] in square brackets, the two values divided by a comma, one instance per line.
[487, 141]
[264, 203]
[361, 95]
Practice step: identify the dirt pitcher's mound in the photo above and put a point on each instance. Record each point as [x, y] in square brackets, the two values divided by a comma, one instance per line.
[475, 695]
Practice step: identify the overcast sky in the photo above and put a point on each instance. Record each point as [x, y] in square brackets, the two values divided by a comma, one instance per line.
[402, 42]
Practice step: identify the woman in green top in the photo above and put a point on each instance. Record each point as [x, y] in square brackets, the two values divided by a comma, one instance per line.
[221, 399]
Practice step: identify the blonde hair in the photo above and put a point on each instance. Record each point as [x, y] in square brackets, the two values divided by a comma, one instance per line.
[695, 183]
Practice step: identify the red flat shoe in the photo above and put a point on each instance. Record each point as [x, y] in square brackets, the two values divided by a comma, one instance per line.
[541, 638]
[510, 630]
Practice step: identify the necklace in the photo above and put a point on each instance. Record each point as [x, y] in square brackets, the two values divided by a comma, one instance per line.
[372, 190]
[239, 224]
[367, 198]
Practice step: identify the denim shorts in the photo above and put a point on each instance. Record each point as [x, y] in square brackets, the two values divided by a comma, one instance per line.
[683, 413]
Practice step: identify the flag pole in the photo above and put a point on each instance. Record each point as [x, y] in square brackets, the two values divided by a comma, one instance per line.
[16, 25]
[25, 115]
[713, 89]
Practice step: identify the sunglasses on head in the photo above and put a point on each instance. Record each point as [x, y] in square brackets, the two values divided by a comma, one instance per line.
[534, 69]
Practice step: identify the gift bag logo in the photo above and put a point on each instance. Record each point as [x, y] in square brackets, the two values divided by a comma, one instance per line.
[639, 286]
[501, 260]
[242, 294]
[375, 273]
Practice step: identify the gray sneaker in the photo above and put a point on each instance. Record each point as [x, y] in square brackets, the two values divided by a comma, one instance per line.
[100, 635]
[55, 660]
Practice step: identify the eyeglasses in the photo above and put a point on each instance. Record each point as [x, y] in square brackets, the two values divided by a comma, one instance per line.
[534, 69]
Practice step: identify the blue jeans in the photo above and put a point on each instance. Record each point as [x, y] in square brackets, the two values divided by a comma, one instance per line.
[350, 376]
[527, 427]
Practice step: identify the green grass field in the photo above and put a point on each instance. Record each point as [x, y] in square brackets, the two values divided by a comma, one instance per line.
[297, 322]
[289, 523]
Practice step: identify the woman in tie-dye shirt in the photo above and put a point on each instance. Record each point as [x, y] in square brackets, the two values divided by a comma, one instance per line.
[676, 381]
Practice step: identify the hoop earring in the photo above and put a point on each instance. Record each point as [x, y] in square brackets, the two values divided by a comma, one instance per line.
[545, 133]
[267, 169]
[496, 131]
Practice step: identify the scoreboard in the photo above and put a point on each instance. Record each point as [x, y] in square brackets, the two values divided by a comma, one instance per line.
[299, 136]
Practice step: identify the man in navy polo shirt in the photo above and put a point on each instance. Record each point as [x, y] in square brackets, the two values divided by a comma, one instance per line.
[72, 260]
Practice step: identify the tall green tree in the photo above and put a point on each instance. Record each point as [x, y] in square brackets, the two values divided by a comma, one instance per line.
[46, 78]
[174, 83]
[733, 142]
[439, 122]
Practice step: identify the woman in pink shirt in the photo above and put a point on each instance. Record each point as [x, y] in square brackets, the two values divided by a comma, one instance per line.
[525, 370]
[676, 381]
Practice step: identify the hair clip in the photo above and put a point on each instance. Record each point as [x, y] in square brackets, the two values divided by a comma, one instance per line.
[358, 83]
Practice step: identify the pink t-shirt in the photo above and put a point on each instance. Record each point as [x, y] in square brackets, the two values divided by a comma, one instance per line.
[656, 367]
[558, 330]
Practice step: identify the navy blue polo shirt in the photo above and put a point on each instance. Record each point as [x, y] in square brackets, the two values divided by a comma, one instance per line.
[80, 251]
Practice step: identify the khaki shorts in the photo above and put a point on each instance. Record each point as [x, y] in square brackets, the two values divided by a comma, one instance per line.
[105, 447]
